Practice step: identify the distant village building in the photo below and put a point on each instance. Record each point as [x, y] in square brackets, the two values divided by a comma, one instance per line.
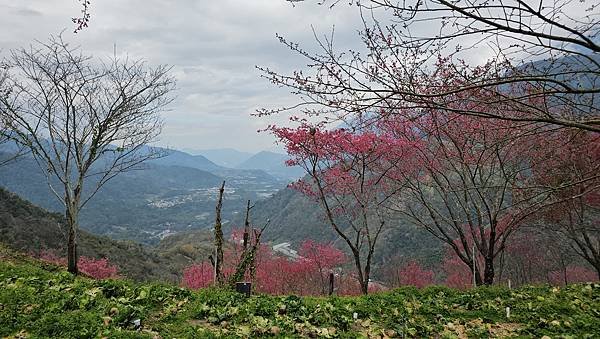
[286, 250]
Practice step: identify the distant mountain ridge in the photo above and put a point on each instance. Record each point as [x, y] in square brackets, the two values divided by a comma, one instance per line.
[183, 159]
[226, 157]
[274, 164]
[178, 158]
[270, 162]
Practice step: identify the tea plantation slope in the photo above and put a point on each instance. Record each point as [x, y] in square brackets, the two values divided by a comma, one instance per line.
[44, 301]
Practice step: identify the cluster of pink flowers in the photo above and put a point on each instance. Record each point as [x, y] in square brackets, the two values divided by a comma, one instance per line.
[306, 275]
[94, 268]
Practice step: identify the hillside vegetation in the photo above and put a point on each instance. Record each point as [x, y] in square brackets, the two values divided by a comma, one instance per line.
[28, 228]
[295, 218]
[44, 301]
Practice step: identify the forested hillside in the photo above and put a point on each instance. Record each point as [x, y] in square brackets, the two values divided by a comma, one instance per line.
[28, 228]
[295, 218]
[300, 169]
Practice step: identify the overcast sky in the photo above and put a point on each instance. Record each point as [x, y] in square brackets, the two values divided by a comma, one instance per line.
[213, 46]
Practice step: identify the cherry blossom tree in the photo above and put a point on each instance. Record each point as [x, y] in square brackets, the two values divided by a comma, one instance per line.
[198, 276]
[523, 263]
[345, 170]
[282, 275]
[93, 268]
[573, 170]
[273, 274]
[475, 133]
[97, 268]
[323, 258]
[409, 274]
[457, 274]
[572, 275]
[467, 190]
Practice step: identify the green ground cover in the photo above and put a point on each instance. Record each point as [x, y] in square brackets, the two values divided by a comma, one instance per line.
[43, 301]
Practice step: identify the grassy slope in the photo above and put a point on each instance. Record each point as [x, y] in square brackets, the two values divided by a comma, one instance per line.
[38, 300]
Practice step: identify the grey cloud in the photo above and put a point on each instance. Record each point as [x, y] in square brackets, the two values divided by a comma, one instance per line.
[27, 12]
[212, 45]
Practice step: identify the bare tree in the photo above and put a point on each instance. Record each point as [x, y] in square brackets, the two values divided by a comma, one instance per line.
[12, 152]
[580, 224]
[4, 93]
[547, 50]
[84, 121]
[249, 251]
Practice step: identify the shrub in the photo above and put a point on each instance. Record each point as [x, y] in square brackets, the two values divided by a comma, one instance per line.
[198, 276]
[97, 268]
[94, 268]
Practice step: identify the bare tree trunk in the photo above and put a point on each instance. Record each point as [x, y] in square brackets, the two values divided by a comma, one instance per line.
[248, 262]
[331, 283]
[501, 273]
[364, 287]
[71, 216]
[366, 278]
[219, 238]
[246, 237]
[362, 279]
[488, 273]
[478, 280]
[322, 277]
